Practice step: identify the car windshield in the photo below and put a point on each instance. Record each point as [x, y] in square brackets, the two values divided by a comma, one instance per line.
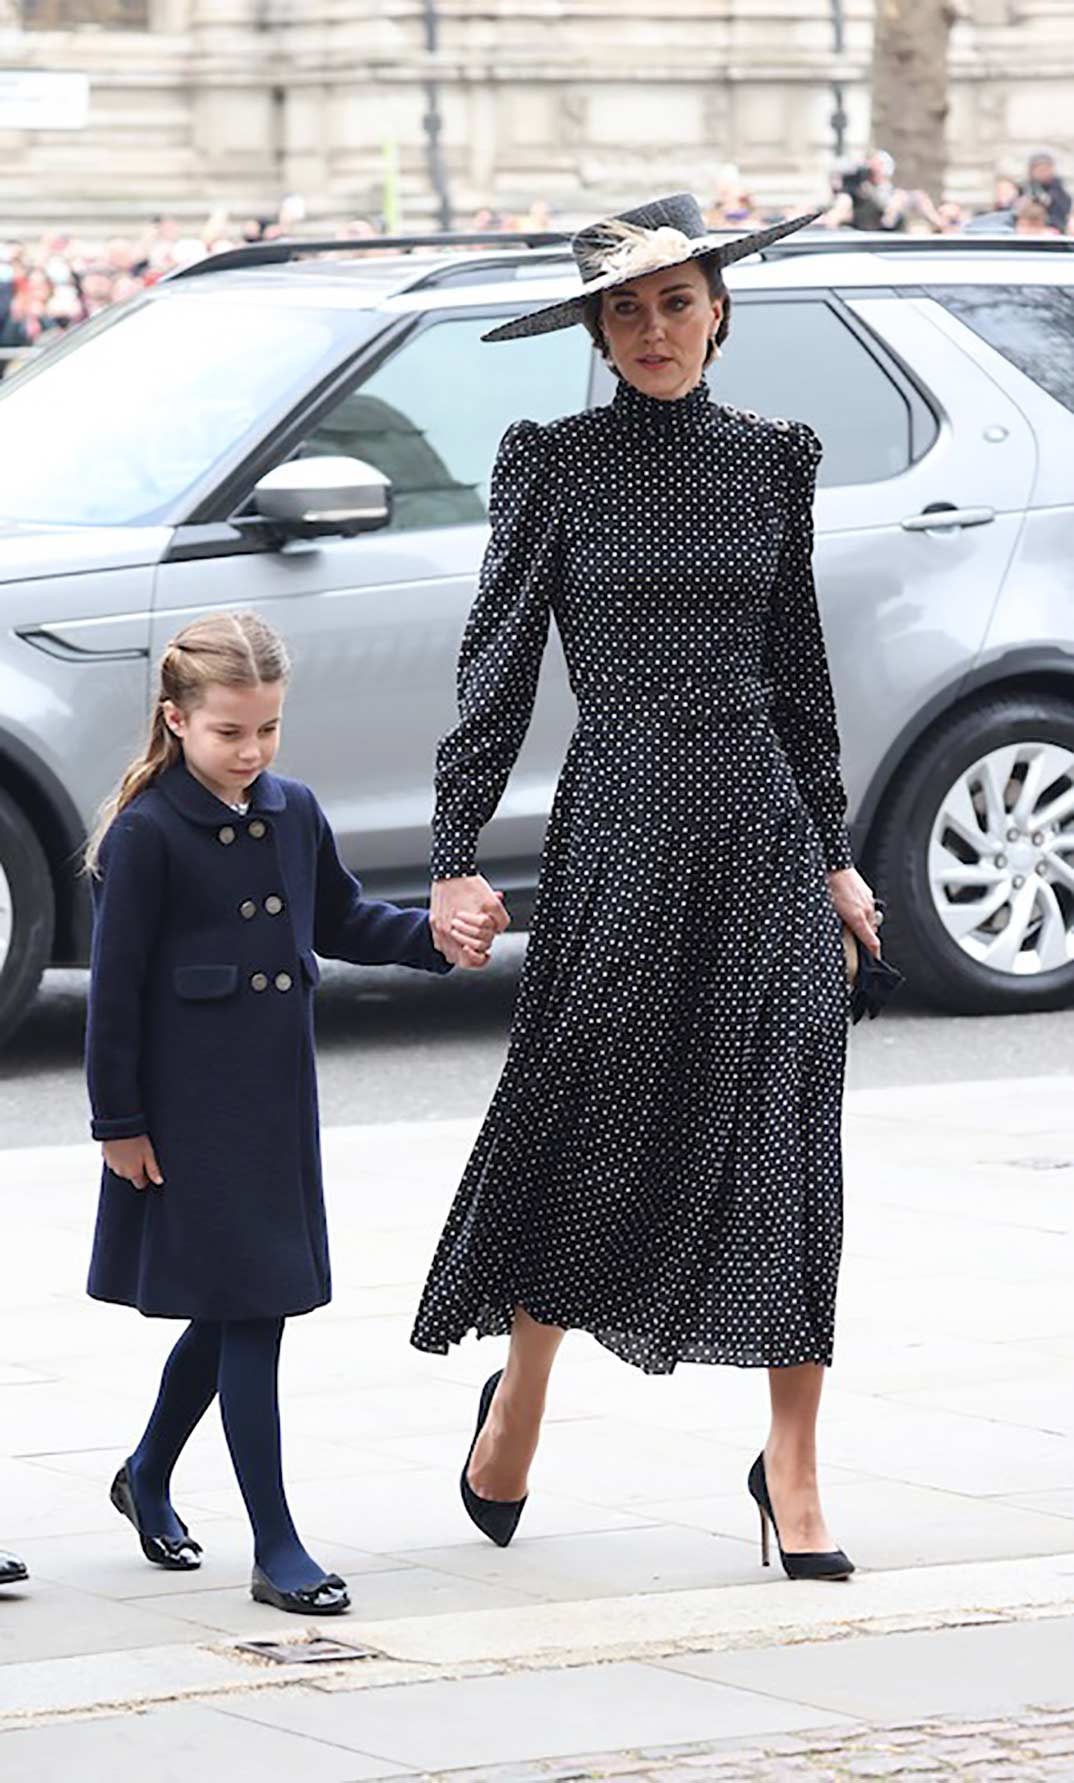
[124, 420]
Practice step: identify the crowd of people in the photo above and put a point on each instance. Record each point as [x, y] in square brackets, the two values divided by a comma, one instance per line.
[867, 195]
[58, 280]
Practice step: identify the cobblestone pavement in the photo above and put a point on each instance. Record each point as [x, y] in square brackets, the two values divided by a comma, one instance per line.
[1038, 1747]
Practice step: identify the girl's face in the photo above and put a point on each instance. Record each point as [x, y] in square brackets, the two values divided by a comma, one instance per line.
[658, 329]
[231, 736]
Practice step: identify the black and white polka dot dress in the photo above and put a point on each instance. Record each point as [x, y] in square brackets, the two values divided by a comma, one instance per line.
[661, 1162]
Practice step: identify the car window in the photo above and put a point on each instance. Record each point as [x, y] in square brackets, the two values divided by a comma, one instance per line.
[119, 425]
[1031, 325]
[801, 360]
[431, 416]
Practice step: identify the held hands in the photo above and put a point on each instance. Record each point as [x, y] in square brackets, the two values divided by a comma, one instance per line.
[854, 902]
[466, 916]
[134, 1160]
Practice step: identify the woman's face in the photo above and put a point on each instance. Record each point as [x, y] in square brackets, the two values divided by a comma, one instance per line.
[658, 329]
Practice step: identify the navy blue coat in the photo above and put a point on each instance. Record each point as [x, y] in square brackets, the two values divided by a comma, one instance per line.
[201, 1034]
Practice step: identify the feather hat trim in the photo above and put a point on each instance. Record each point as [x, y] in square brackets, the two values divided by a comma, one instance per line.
[666, 233]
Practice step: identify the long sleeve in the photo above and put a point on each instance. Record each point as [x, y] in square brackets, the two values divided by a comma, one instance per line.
[803, 708]
[349, 926]
[127, 901]
[502, 648]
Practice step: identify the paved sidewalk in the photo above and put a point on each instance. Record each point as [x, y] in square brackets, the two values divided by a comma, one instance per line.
[631, 1612]
[1035, 1748]
[864, 1707]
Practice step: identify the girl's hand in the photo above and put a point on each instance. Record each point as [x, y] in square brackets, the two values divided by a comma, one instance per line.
[854, 901]
[466, 916]
[134, 1160]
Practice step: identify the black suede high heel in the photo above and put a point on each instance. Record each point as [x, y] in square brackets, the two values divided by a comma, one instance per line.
[497, 1518]
[796, 1566]
[162, 1550]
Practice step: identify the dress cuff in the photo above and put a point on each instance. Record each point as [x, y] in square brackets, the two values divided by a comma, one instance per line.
[132, 1126]
[454, 856]
[838, 854]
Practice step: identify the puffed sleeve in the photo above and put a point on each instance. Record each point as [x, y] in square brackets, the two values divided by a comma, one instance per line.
[501, 653]
[127, 904]
[803, 708]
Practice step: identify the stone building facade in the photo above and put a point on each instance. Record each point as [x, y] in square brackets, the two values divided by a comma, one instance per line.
[196, 104]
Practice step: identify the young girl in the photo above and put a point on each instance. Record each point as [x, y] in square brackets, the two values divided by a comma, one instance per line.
[214, 884]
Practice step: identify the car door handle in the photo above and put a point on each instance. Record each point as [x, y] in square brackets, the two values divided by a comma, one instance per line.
[53, 643]
[941, 516]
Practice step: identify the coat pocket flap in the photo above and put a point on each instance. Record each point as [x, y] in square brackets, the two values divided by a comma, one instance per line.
[311, 971]
[204, 984]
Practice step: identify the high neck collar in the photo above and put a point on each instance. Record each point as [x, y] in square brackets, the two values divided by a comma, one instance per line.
[657, 414]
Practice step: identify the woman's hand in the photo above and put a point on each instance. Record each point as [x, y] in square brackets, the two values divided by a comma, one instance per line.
[854, 901]
[134, 1160]
[466, 916]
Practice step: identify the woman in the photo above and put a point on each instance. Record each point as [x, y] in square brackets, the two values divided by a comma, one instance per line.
[661, 1162]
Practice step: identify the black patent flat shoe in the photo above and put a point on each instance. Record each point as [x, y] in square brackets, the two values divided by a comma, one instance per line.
[177, 1556]
[835, 1565]
[12, 1570]
[329, 1597]
[497, 1518]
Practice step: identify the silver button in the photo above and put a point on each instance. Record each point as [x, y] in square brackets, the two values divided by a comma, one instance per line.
[273, 904]
[259, 982]
[225, 835]
[247, 908]
[258, 829]
[284, 981]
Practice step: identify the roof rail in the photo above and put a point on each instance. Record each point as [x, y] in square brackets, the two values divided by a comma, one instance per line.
[278, 253]
[470, 269]
[867, 241]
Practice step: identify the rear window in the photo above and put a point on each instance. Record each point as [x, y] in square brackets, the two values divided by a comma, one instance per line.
[1031, 325]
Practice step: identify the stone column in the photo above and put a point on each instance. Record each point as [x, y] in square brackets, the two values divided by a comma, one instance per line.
[236, 107]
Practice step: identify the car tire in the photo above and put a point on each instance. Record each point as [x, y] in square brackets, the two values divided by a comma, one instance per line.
[915, 938]
[27, 915]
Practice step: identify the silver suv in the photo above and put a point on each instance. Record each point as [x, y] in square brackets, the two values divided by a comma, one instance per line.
[314, 435]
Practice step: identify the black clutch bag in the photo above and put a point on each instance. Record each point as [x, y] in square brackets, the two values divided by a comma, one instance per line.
[872, 981]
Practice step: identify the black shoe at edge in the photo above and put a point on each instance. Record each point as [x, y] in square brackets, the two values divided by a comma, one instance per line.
[497, 1518]
[12, 1570]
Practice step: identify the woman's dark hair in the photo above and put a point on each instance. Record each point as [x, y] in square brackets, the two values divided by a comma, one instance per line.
[713, 272]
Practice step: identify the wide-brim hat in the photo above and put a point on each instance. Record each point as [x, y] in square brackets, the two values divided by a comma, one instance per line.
[653, 238]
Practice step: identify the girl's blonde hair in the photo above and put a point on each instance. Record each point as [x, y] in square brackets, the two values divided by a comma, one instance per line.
[221, 650]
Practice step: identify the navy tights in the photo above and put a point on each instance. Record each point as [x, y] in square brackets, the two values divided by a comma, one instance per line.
[239, 1359]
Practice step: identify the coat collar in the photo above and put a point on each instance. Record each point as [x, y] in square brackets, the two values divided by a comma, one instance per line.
[195, 802]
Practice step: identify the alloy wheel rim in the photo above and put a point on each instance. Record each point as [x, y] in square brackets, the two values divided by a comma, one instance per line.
[7, 917]
[1001, 859]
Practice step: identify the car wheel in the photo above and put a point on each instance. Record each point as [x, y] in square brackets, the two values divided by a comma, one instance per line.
[27, 915]
[975, 859]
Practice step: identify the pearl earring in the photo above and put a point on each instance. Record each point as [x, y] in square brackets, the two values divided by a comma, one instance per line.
[716, 353]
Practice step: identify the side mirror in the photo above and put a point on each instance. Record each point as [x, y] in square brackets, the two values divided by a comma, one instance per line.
[316, 498]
